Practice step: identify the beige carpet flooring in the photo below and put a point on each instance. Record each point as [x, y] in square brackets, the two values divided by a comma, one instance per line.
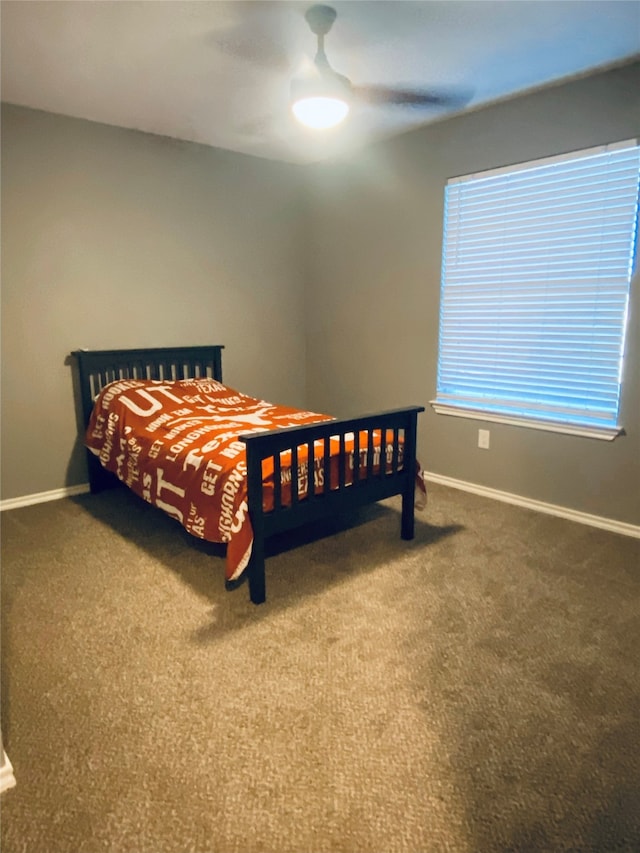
[475, 690]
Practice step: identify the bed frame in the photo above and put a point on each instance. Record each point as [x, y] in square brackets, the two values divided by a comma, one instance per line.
[96, 368]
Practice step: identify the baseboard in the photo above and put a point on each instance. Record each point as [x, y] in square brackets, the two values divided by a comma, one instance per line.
[7, 779]
[484, 491]
[551, 509]
[43, 497]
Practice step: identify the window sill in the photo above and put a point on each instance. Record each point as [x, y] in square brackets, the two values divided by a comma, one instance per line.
[603, 433]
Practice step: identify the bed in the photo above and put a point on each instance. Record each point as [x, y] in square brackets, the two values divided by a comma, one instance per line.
[229, 467]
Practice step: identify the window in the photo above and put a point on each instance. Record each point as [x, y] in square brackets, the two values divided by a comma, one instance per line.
[536, 270]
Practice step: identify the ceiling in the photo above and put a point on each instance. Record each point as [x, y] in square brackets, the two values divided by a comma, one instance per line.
[218, 72]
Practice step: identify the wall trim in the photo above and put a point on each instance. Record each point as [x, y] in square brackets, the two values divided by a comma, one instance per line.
[484, 491]
[43, 497]
[539, 506]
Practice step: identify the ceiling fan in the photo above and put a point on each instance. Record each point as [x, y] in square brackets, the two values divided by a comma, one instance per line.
[321, 98]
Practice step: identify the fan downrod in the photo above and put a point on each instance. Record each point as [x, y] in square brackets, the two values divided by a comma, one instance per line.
[320, 19]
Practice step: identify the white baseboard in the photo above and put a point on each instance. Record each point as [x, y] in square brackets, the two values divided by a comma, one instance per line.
[484, 491]
[42, 497]
[551, 509]
[7, 779]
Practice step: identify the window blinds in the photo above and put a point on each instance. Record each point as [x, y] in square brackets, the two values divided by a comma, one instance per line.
[537, 261]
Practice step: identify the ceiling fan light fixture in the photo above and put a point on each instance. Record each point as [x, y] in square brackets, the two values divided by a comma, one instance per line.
[320, 112]
[320, 100]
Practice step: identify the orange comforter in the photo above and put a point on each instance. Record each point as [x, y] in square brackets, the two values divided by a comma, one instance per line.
[176, 445]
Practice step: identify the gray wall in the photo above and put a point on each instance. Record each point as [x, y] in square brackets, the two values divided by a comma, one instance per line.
[114, 238]
[375, 241]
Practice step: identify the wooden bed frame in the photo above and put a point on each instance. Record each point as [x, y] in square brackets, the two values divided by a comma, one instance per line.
[96, 368]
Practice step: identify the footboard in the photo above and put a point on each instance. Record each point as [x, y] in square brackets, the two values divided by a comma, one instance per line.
[349, 477]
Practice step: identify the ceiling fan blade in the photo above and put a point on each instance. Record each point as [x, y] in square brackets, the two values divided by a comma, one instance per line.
[413, 97]
[259, 50]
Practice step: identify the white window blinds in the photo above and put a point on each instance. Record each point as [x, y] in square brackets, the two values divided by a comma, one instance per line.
[537, 262]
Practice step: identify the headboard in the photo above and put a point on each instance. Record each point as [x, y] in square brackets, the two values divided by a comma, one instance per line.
[97, 368]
